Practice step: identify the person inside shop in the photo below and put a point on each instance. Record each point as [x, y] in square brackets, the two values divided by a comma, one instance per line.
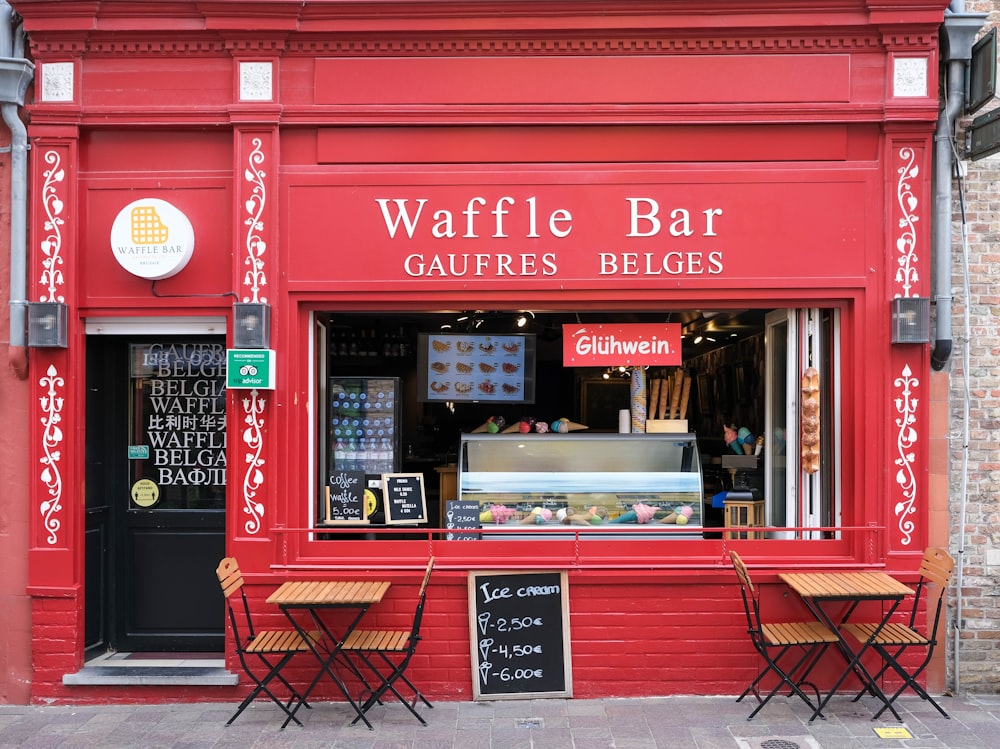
[740, 440]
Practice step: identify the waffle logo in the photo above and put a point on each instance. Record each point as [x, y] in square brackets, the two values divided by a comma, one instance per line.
[152, 239]
[147, 227]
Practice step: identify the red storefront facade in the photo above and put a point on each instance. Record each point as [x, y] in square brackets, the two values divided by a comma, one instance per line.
[361, 163]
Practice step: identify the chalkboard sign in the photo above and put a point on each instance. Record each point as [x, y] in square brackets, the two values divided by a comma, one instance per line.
[461, 514]
[519, 631]
[404, 498]
[345, 498]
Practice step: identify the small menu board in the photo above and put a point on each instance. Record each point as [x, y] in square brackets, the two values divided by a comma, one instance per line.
[519, 631]
[405, 502]
[461, 514]
[345, 498]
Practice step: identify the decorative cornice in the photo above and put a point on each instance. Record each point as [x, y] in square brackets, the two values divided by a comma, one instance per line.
[395, 45]
[577, 46]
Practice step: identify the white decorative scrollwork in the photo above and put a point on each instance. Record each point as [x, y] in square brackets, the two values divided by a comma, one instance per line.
[51, 244]
[906, 242]
[256, 245]
[253, 407]
[52, 437]
[906, 438]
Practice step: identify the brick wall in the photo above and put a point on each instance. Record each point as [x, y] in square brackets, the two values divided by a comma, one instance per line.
[973, 478]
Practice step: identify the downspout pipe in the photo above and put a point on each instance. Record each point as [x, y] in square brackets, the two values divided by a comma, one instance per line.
[958, 34]
[16, 74]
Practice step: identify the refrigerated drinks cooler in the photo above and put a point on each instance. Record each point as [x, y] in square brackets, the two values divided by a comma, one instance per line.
[365, 424]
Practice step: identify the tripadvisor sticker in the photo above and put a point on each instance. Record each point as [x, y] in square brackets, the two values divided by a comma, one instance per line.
[145, 493]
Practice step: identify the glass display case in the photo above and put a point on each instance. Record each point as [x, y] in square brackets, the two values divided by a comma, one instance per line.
[623, 481]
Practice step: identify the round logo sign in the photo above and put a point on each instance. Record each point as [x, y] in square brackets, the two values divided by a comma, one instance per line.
[152, 239]
[145, 493]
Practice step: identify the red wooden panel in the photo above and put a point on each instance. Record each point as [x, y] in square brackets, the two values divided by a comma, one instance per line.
[207, 205]
[585, 144]
[116, 152]
[703, 79]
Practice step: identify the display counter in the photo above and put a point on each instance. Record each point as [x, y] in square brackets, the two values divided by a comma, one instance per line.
[629, 482]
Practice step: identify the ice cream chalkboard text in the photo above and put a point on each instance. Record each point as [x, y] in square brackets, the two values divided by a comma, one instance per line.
[519, 632]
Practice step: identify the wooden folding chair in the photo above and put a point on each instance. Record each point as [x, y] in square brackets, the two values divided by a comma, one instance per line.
[387, 654]
[273, 648]
[892, 640]
[773, 640]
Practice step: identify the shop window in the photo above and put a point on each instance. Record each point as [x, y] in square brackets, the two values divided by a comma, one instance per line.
[478, 471]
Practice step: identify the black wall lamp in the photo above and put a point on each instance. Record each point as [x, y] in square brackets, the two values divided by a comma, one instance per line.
[251, 325]
[911, 320]
[48, 324]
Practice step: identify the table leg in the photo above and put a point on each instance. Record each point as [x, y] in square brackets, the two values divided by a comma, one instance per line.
[852, 657]
[326, 662]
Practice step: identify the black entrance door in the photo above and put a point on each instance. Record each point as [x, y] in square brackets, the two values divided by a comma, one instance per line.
[156, 470]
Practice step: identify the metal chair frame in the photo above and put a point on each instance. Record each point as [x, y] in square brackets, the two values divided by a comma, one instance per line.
[892, 640]
[773, 640]
[274, 648]
[377, 649]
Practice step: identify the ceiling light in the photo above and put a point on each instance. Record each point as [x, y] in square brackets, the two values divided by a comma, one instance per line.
[698, 339]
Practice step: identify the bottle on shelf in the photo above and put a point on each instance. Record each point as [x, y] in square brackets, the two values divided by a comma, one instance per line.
[363, 343]
[352, 344]
[404, 346]
[373, 349]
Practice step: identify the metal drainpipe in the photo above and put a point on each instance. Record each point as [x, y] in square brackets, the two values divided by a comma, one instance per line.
[16, 74]
[958, 33]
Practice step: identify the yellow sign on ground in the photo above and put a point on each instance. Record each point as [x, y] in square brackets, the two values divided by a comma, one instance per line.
[893, 732]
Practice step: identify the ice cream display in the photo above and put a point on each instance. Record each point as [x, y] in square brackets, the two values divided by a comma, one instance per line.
[640, 513]
[538, 516]
[498, 514]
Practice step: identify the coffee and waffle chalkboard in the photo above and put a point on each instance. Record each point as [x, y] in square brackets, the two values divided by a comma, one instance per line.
[519, 631]
[345, 498]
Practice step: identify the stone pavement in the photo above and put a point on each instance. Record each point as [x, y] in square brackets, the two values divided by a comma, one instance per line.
[647, 723]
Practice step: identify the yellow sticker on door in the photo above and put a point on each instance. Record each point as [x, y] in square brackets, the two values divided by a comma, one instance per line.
[145, 493]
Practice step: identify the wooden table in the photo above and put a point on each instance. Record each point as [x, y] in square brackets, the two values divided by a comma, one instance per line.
[314, 596]
[820, 589]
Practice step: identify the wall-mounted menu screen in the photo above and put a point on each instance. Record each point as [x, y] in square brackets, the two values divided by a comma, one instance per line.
[472, 367]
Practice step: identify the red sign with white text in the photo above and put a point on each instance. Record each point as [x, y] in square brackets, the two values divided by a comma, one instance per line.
[635, 345]
[507, 229]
